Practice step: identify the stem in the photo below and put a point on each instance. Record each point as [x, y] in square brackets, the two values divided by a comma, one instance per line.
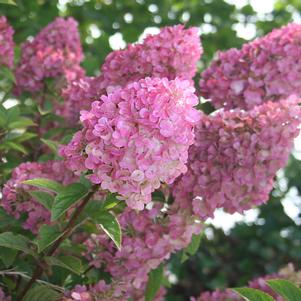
[67, 231]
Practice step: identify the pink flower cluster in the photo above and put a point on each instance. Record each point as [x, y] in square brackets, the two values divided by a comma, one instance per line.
[149, 238]
[54, 53]
[6, 43]
[17, 201]
[236, 156]
[267, 69]
[136, 137]
[77, 96]
[108, 292]
[172, 53]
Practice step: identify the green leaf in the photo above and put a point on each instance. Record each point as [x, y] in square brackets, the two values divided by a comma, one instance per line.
[192, 248]
[23, 137]
[251, 294]
[45, 183]
[13, 114]
[7, 220]
[42, 292]
[8, 73]
[9, 2]
[15, 241]
[3, 116]
[110, 202]
[286, 289]
[154, 282]
[110, 226]
[83, 180]
[21, 123]
[47, 236]
[53, 145]
[43, 198]
[8, 256]
[67, 197]
[70, 263]
[7, 145]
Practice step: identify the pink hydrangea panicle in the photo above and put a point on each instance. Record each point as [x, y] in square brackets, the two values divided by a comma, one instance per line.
[16, 199]
[136, 138]
[149, 238]
[6, 43]
[236, 155]
[108, 292]
[78, 95]
[54, 53]
[172, 53]
[267, 69]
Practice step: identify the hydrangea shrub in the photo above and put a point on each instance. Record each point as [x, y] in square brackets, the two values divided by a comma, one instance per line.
[104, 178]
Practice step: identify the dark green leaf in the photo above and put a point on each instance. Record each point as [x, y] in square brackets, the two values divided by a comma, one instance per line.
[21, 123]
[111, 201]
[70, 263]
[9, 145]
[53, 145]
[8, 73]
[286, 289]
[66, 198]
[154, 283]
[8, 256]
[42, 292]
[47, 236]
[45, 183]
[3, 116]
[43, 198]
[15, 241]
[251, 294]
[110, 226]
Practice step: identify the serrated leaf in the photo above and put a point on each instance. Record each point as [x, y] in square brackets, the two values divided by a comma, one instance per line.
[70, 263]
[21, 123]
[43, 198]
[15, 242]
[53, 145]
[47, 236]
[251, 294]
[67, 197]
[42, 292]
[286, 289]
[154, 282]
[8, 256]
[45, 183]
[110, 226]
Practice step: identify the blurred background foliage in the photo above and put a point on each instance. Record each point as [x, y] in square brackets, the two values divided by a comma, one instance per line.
[248, 249]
